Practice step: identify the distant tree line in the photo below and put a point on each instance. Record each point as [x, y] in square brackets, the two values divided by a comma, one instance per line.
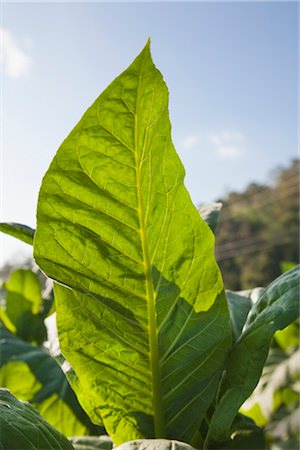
[258, 231]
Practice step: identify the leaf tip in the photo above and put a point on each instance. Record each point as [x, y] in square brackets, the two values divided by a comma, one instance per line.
[146, 49]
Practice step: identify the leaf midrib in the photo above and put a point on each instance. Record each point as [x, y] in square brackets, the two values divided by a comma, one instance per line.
[159, 426]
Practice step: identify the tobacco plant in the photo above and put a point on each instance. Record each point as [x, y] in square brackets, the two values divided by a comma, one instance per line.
[158, 350]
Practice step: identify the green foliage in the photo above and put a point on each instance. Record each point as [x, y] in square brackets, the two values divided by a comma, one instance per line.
[245, 435]
[19, 231]
[28, 370]
[31, 374]
[24, 310]
[23, 428]
[288, 338]
[275, 401]
[276, 308]
[239, 307]
[287, 265]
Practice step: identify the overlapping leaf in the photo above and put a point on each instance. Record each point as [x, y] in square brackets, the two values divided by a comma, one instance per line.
[19, 231]
[145, 324]
[240, 304]
[246, 435]
[277, 307]
[23, 309]
[21, 427]
[31, 374]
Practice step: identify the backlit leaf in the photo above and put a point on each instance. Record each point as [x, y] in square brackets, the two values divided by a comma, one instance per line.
[145, 324]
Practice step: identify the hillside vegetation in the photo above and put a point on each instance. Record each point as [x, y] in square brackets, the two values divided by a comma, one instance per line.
[258, 231]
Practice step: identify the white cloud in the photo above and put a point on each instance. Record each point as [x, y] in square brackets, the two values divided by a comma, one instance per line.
[190, 141]
[228, 144]
[225, 143]
[14, 61]
[229, 151]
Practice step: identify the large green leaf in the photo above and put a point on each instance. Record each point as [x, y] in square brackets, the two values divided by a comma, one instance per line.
[145, 325]
[19, 231]
[277, 307]
[31, 374]
[21, 427]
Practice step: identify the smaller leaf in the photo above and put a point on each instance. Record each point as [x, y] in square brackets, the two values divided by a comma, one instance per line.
[239, 307]
[5, 320]
[240, 304]
[23, 293]
[17, 377]
[19, 231]
[287, 265]
[23, 305]
[154, 444]
[23, 428]
[277, 307]
[33, 375]
[255, 413]
[288, 337]
[246, 435]
[210, 213]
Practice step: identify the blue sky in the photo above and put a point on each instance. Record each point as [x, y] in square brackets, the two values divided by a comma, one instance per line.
[231, 69]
